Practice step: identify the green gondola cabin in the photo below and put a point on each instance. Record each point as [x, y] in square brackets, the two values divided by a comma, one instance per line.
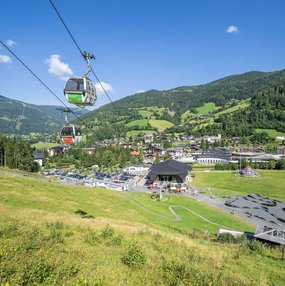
[80, 91]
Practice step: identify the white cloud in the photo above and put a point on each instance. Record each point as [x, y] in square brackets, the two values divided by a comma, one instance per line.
[58, 68]
[232, 29]
[106, 86]
[10, 43]
[5, 59]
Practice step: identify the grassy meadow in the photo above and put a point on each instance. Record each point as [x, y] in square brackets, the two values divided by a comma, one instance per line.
[160, 124]
[121, 238]
[139, 122]
[271, 132]
[241, 105]
[148, 112]
[42, 145]
[270, 183]
[206, 108]
[136, 132]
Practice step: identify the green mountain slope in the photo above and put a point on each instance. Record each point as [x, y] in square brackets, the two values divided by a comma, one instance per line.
[183, 98]
[17, 117]
[195, 107]
[266, 110]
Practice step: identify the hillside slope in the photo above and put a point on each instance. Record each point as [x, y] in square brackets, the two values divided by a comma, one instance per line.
[17, 117]
[212, 108]
[181, 99]
[117, 242]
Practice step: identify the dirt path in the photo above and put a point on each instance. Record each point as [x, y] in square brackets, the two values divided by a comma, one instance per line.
[194, 213]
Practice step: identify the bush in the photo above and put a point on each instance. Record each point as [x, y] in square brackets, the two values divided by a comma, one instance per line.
[255, 246]
[107, 232]
[38, 272]
[229, 238]
[134, 257]
[56, 232]
[176, 273]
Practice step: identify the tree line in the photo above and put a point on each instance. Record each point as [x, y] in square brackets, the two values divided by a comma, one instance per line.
[15, 153]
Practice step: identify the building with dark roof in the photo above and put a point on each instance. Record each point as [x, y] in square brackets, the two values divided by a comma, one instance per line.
[38, 157]
[169, 171]
[215, 156]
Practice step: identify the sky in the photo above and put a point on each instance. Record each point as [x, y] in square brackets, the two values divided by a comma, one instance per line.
[138, 44]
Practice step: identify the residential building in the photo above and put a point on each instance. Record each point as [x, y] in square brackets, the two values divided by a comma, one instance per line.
[39, 157]
[148, 138]
[136, 169]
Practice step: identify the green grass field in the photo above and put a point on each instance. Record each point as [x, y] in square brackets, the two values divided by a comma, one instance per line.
[42, 145]
[130, 240]
[140, 122]
[271, 132]
[270, 183]
[160, 124]
[145, 113]
[136, 132]
[51, 197]
[241, 105]
[148, 112]
[186, 115]
[206, 108]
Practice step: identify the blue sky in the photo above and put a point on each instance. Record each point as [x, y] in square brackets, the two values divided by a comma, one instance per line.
[138, 45]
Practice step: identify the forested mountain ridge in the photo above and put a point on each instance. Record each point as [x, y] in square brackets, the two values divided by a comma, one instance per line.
[21, 118]
[265, 111]
[183, 98]
[170, 105]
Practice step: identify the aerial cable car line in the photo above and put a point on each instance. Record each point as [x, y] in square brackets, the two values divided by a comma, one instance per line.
[41, 81]
[83, 55]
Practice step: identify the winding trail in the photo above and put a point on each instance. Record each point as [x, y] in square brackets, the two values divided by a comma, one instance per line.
[176, 217]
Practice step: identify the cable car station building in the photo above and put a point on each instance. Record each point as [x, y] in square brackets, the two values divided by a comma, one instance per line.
[169, 171]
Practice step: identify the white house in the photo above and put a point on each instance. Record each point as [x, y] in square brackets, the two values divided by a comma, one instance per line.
[148, 138]
[39, 157]
[136, 169]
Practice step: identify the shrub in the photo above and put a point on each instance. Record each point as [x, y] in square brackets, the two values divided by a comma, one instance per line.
[176, 273]
[56, 232]
[229, 238]
[38, 272]
[107, 232]
[92, 238]
[116, 240]
[134, 257]
[255, 246]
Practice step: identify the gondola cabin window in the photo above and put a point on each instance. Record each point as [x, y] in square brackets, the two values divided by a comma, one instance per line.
[75, 84]
[78, 131]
